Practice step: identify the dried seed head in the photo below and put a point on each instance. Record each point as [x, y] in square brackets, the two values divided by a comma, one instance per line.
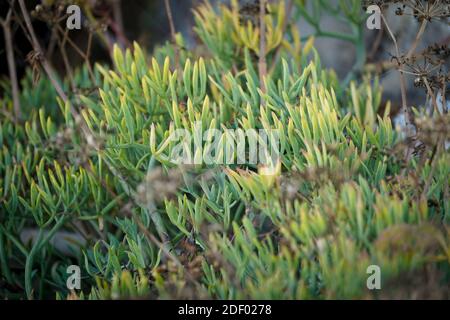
[159, 186]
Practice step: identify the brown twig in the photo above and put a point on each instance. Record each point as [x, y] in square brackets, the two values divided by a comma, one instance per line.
[433, 165]
[170, 18]
[172, 32]
[289, 8]
[409, 119]
[79, 121]
[68, 67]
[84, 55]
[6, 24]
[376, 45]
[417, 40]
[118, 19]
[262, 63]
[444, 97]
[431, 94]
[37, 47]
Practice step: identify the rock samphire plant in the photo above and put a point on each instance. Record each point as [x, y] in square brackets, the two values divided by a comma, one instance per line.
[88, 180]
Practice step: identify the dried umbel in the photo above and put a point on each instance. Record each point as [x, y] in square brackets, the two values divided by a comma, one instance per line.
[159, 185]
[430, 10]
[435, 129]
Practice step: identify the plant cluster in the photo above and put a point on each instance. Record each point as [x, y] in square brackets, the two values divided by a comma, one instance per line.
[94, 170]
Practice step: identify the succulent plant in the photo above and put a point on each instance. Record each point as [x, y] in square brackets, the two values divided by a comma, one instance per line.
[341, 198]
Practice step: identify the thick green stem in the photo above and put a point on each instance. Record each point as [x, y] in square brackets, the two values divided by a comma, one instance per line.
[38, 244]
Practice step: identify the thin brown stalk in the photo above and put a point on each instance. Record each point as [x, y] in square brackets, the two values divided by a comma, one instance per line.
[37, 47]
[376, 44]
[118, 18]
[431, 94]
[6, 24]
[79, 122]
[443, 97]
[84, 55]
[87, 56]
[433, 164]
[262, 64]
[52, 44]
[172, 32]
[409, 119]
[417, 40]
[68, 67]
[69, 41]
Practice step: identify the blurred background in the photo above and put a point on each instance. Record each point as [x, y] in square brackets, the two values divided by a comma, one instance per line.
[146, 22]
